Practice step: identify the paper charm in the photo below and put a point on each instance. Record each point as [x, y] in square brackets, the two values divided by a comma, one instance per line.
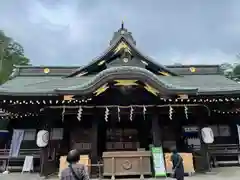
[170, 112]
[79, 114]
[119, 116]
[63, 113]
[186, 111]
[106, 114]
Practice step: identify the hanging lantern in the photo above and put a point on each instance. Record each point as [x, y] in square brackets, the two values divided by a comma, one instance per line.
[79, 115]
[119, 117]
[131, 114]
[207, 135]
[63, 113]
[42, 138]
[170, 112]
[144, 112]
[106, 114]
[186, 111]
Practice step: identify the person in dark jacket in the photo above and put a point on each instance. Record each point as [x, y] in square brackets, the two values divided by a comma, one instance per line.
[177, 162]
[74, 171]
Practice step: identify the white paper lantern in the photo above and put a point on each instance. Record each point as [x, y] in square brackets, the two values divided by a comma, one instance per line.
[42, 138]
[207, 135]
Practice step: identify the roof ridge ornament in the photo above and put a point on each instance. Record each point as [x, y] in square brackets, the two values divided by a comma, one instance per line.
[122, 25]
[122, 32]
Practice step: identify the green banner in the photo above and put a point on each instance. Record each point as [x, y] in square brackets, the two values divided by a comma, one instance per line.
[158, 161]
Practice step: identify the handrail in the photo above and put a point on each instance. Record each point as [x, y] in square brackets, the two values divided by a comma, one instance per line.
[222, 149]
[23, 152]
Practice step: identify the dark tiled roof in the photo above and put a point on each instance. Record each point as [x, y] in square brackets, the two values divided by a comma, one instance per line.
[38, 71]
[205, 84]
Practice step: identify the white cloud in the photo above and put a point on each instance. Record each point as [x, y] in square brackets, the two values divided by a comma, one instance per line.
[74, 32]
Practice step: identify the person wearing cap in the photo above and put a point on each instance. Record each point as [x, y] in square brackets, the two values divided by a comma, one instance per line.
[74, 171]
[178, 168]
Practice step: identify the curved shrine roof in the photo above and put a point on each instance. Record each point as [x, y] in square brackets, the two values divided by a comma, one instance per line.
[122, 60]
[52, 85]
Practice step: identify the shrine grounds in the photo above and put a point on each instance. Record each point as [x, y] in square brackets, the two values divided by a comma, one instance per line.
[231, 173]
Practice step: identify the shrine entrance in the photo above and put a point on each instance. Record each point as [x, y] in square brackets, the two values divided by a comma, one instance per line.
[124, 134]
[126, 124]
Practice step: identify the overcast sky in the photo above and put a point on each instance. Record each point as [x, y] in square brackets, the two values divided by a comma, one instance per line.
[72, 32]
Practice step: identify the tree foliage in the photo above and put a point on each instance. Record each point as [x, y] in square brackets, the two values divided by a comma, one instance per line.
[11, 53]
[236, 71]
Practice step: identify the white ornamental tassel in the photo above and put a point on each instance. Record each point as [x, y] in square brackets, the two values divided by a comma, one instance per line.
[170, 112]
[119, 117]
[186, 111]
[79, 115]
[106, 114]
[63, 113]
[144, 112]
[131, 114]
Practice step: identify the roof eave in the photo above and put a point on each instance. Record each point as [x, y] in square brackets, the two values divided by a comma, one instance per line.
[28, 94]
[223, 93]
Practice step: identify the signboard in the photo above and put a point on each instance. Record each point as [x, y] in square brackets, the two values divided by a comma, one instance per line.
[158, 161]
[190, 129]
[28, 164]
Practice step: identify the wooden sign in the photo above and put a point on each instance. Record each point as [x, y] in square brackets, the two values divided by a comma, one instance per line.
[68, 97]
[28, 164]
[187, 162]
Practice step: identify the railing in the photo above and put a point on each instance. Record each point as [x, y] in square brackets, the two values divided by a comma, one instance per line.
[96, 170]
[4, 153]
[16, 163]
[221, 148]
[224, 149]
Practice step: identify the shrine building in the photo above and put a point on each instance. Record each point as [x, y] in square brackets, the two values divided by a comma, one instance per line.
[121, 101]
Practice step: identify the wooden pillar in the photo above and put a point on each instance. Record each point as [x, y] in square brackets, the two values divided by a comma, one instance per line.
[94, 138]
[47, 167]
[205, 162]
[234, 132]
[156, 131]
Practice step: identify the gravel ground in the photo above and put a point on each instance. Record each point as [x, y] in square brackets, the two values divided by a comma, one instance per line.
[231, 173]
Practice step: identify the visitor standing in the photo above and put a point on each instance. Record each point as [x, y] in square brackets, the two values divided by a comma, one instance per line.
[74, 171]
[177, 162]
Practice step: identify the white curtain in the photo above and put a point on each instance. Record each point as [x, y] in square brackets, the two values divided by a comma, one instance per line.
[17, 139]
[238, 129]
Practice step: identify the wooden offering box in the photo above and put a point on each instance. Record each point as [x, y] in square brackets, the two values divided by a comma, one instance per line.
[124, 163]
[84, 159]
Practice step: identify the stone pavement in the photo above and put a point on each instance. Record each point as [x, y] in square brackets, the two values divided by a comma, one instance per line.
[226, 173]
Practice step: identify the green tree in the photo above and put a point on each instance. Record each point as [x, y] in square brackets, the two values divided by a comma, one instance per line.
[11, 53]
[236, 71]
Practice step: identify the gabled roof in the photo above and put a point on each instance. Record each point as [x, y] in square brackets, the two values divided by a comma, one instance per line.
[57, 80]
[122, 36]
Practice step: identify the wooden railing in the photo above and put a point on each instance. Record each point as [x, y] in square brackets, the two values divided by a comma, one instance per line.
[4, 153]
[221, 149]
[224, 149]
[16, 163]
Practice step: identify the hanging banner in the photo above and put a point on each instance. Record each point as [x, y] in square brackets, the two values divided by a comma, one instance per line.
[238, 129]
[16, 142]
[158, 161]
